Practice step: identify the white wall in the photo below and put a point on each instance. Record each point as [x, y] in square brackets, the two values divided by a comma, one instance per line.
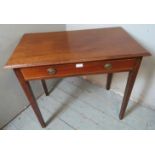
[144, 89]
[12, 98]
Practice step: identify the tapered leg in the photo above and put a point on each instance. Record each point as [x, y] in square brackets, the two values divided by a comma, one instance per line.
[45, 87]
[109, 79]
[130, 83]
[28, 91]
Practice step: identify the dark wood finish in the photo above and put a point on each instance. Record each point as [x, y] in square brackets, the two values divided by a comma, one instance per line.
[28, 92]
[98, 67]
[45, 87]
[57, 55]
[109, 79]
[129, 87]
[38, 49]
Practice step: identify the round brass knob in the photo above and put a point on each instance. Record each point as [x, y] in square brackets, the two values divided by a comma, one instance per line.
[108, 66]
[51, 71]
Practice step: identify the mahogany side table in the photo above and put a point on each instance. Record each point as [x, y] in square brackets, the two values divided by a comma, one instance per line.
[63, 54]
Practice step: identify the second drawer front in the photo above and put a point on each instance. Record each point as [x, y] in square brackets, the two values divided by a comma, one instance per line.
[53, 71]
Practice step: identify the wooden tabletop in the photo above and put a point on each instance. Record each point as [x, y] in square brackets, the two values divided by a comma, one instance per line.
[37, 49]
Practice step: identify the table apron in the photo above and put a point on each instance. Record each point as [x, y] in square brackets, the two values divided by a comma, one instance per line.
[77, 69]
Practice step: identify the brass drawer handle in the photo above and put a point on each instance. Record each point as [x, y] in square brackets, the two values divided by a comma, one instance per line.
[51, 71]
[108, 66]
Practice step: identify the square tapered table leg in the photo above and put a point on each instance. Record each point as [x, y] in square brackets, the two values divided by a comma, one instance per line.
[28, 92]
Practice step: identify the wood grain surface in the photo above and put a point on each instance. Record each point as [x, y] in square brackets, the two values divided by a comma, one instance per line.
[37, 49]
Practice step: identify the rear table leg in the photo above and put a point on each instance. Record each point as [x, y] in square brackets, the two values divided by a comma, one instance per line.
[45, 87]
[109, 79]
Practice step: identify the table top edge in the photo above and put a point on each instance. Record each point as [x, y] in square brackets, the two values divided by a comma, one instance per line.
[15, 66]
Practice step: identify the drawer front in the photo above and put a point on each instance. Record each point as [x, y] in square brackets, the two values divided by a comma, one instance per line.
[64, 70]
